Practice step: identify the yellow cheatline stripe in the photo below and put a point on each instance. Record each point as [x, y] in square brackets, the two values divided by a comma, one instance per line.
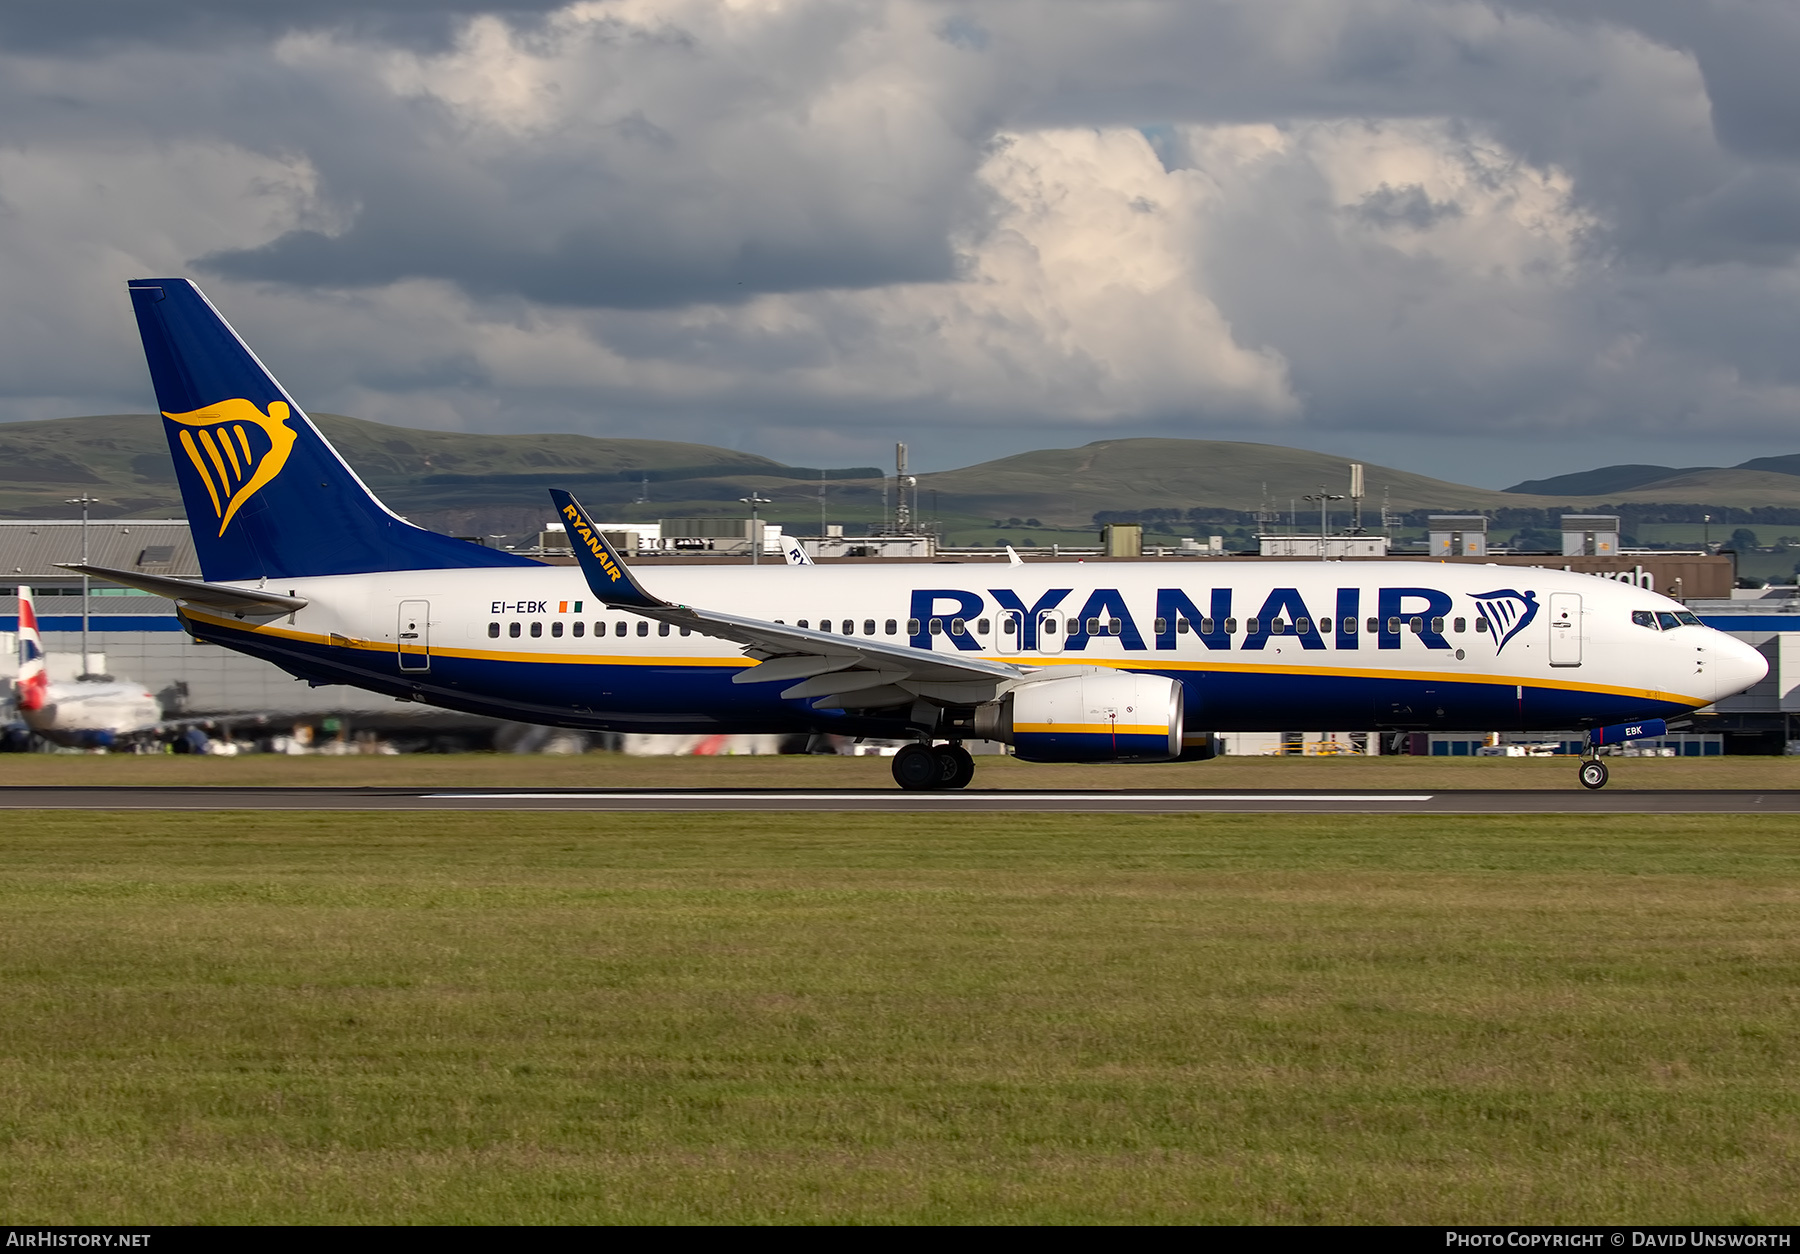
[488, 655]
[187, 443]
[626, 659]
[212, 451]
[1092, 729]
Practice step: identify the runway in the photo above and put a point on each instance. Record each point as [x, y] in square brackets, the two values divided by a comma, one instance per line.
[1299, 801]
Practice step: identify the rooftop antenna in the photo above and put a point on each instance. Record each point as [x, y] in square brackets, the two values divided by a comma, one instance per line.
[821, 504]
[1356, 497]
[1265, 517]
[1386, 523]
[902, 515]
[644, 490]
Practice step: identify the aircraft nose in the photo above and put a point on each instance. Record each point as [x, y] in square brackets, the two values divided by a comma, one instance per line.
[1736, 666]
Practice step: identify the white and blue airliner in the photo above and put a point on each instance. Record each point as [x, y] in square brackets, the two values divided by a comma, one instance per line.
[1064, 661]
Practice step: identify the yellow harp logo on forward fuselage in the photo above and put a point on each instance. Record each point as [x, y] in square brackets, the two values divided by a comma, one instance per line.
[236, 448]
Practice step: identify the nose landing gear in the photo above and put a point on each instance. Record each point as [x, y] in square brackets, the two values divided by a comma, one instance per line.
[921, 767]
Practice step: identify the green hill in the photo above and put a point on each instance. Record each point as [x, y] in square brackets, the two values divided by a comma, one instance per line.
[1070, 485]
[1605, 480]
[486, 484]
[123, 461]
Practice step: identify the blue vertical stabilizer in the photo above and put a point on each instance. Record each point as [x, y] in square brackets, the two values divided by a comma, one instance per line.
[266, 494]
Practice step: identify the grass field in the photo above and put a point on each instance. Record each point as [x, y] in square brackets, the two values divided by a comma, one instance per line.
[269, 1017]
[612, 770]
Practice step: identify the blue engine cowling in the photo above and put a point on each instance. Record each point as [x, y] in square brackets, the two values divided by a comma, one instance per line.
[1116, 716]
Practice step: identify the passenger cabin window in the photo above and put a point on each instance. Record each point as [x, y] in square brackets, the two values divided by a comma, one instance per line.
[1349, 626]
[1375, 625]
[537, 629]
[801, 622]
[662, 629]
[1644, 618]
[577, 629]
[981, 627]
[1182, 626]
[1461, 625]
[868, 626]
[937, 626]
[957, 628]
[1093, 626]
[1009, 625]
[1666, 620]
[1416, 625]
[1160, 626]
[1302, 626]
[892, 626]
[1231, 626]
[1253, 625]
[643, 629]
[1437, 624]
[512, 629]
[556, 629]
[1277, 627]
[1114, 626]
[686, 631]
[493, 631]
[1481, 625]
[1049, 627]
[1393, 626]
[912, 626]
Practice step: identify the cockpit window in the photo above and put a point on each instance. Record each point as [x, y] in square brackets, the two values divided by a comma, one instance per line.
[1667, 621]
[1644, 618]
[1689, 619]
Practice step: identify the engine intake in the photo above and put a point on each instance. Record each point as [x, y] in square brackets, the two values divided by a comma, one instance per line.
[1114, 717]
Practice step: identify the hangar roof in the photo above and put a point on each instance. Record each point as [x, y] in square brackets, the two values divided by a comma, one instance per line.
[31, 548]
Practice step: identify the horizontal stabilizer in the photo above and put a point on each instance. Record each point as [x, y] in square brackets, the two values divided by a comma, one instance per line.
[217, 596]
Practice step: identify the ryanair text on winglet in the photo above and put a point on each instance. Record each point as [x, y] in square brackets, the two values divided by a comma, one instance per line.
[586, 531]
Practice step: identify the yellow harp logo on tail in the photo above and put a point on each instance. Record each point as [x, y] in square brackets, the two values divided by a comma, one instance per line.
[236, 448]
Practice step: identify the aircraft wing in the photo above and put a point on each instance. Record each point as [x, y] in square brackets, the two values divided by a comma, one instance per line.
[846, 672]
[216, 596]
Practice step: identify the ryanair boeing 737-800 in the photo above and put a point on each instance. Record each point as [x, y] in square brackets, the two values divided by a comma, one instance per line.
[1064, 661]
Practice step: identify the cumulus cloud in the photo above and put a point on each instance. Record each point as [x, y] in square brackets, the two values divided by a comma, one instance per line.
[802, 226]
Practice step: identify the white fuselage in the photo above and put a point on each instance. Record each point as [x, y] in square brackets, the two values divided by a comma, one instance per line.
[94, 713]
[1258, 645]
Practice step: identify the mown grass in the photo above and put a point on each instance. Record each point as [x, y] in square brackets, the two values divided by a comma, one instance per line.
[499, 1018]
[615, 770]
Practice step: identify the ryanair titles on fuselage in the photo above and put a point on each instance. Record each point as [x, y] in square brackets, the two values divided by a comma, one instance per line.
[1283, 612]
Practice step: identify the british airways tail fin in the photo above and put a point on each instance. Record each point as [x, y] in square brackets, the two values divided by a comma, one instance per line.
[33, 684]
[266, 494]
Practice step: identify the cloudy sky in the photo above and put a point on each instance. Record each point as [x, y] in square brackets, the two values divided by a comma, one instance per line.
[1483, 241]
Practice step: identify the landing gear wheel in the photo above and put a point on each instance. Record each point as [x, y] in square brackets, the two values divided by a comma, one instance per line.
[1593, 773]
[917, 768]
[956, 766]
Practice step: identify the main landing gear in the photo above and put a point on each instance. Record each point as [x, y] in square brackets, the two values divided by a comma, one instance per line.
[1593, 773]
[919, 767]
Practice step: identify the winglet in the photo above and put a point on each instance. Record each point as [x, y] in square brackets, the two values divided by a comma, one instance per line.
[606, 571]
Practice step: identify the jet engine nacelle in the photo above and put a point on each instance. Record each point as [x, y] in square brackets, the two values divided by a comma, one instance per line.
[1112, 717]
